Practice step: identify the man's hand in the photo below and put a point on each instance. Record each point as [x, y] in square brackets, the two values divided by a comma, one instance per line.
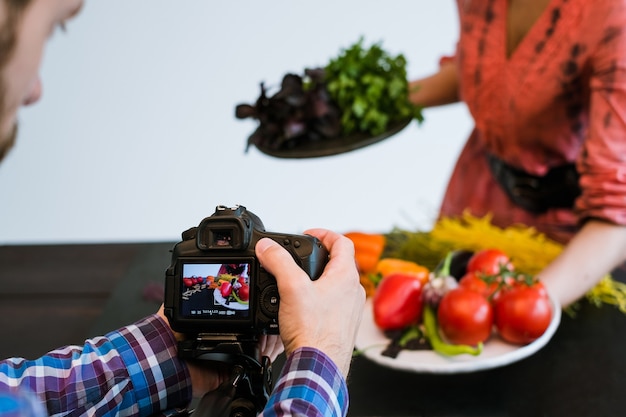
[323, 314]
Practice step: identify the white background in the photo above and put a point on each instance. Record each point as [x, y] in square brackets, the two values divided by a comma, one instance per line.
[135, 138]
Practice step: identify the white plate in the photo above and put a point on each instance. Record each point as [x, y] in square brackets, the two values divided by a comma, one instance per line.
[233, 305]
[496, 352]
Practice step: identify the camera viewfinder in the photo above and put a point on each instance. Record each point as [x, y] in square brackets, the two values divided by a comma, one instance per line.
[222, 238]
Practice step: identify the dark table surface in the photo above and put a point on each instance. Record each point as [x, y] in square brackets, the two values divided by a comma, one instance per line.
[52, 295]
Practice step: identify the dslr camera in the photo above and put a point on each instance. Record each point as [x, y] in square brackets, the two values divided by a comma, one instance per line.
[216, 286]
[218, 295]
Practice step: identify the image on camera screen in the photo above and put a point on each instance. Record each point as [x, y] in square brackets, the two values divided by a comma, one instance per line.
[215, 291]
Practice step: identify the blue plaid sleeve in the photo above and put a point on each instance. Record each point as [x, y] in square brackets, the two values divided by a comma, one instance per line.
[159, 378]
[310, 384]
[132, 371]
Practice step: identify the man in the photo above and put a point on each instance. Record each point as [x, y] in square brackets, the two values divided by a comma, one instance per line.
[135, 370]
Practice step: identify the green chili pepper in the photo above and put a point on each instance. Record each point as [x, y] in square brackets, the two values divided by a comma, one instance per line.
[438, 345]
[413, 332]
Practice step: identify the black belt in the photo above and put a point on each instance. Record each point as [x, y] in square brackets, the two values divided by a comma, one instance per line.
[559, 188]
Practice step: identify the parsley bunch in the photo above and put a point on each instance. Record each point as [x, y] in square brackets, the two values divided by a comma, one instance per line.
[370, 88]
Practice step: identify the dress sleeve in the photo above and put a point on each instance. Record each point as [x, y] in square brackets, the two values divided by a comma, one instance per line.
[446, 59]
[602, 164]
[131, 371]
[310, 384]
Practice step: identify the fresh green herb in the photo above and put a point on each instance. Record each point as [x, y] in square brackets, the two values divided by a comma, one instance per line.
[371, 89]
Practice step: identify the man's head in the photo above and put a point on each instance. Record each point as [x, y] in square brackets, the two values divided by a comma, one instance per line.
[25, 26]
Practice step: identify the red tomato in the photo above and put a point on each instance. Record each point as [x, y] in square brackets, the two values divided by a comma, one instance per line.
[489, 262]
[398, 301]
[473, 281]
[465, 316]
[522, 312]
[188, 282]
[244, 292]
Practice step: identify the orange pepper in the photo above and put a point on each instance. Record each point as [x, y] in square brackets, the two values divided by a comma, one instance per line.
[388, 266]
[368, 247]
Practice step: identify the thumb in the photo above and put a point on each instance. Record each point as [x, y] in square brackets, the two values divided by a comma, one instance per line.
[278, 261]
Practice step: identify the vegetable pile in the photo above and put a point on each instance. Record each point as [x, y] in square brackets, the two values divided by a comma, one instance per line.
[457, 315]
[533, 251]
[362, 90]
[463, 255]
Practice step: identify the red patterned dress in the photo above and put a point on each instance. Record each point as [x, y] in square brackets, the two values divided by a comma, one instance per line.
[559, 98]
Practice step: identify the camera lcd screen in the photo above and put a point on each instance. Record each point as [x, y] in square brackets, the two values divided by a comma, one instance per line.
[219, 291]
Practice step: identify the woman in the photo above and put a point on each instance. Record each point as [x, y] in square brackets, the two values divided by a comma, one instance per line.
[545, 82]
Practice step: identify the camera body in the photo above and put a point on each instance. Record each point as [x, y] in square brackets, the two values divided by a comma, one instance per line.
[215, 284]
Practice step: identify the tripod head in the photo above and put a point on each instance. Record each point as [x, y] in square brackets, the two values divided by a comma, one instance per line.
[247, 390]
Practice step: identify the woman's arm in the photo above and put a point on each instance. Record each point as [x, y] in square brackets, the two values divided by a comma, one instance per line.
[437, 89]
[600, 245]
[595, 251]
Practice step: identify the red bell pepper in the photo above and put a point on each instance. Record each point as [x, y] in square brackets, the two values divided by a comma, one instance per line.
[398, 301]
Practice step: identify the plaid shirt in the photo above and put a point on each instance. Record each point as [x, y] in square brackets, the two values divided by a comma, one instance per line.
[132, 371]
[309, 385]
[135, 371]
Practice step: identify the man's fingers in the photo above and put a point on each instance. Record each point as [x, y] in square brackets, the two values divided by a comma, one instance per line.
[278, 261]
[340, 247]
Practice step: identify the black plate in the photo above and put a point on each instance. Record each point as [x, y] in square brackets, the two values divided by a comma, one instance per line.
[333, 146]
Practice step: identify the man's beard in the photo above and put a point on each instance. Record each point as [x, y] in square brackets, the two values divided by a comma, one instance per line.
[7, 142]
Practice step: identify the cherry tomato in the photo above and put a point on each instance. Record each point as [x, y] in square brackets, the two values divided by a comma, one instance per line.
[465, 316]
[489, 262]
[188, 282]
[398, 301]
[522, 312]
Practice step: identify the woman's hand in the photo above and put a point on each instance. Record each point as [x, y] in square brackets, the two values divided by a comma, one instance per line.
[593, 253]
